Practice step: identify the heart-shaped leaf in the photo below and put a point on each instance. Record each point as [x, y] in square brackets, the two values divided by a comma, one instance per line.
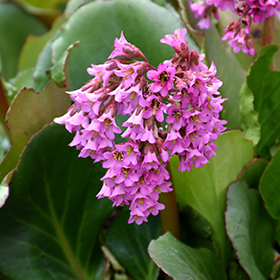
[183, 262]
[143, 22]
[51, 221]
[204, 188]
[129, 244]
[250, 229]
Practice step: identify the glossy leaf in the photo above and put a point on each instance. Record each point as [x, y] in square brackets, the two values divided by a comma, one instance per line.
[50, 4]
[266, 91]
[250, 229]
[15, 25]
[58, 71]
[129, 244]
[96, 44]
[204, 188]
[51, 221]
[270, 186]
[182, 262]
[28, 113]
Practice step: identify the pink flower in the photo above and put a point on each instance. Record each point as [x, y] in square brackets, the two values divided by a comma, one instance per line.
[163, 78]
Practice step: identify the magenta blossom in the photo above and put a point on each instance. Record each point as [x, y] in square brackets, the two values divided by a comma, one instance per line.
[171, 110]
[163, 78]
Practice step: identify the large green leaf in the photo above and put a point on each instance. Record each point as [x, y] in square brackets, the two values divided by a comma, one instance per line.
[182, 262]
[265, 85]
[27, 115]
[129, 244]
[270, 186]
[250, 229]
[51, 220]
[204, 188]
[15, 25]
[143, 22]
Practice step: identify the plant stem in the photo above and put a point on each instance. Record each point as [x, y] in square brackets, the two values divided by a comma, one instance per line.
[4, 105]
[268, 31]
[170, 216]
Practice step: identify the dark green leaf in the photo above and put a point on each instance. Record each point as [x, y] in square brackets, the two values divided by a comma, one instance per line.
[183, 262]
[204, 188]
[51, 220]
[250, 229]
[253, 172]
[143, 22]
[129, 244]
[270, 186]
[15, 25]
[195, 230]
[265, 85]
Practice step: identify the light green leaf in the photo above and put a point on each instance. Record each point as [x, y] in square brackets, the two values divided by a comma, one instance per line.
[248, 116]
[182, 262]
[204, 188]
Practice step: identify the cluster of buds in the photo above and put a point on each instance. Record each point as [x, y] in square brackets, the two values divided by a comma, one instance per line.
[239, 29]
[172, 110]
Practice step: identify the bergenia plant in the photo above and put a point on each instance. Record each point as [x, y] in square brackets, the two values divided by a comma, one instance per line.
[159, 160]
[172, 110]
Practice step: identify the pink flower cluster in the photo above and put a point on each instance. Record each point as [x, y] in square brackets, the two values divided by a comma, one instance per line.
[182, 92]
[238, 30]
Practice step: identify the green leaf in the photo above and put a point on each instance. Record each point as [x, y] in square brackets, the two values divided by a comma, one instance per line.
[253, 172]
[270, 186]
[143, 22]
[129, 243]
[15, 25]
[265, 85]
[51, 221]
[58, 72]
[22, 79]
[183, 262]
[204, 188]
[250, 229]
[34, 45]
[28, 113]
[248, 116]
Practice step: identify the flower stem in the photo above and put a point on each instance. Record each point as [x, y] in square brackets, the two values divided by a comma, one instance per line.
[170, 216]
[3, 108]
[268, 31]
